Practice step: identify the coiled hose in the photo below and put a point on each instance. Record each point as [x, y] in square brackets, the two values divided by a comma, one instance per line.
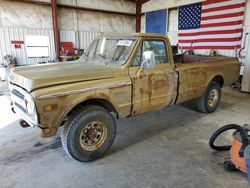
[243, 134]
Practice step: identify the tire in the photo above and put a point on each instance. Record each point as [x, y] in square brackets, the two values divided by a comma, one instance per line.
[206, 103]
[88, 134]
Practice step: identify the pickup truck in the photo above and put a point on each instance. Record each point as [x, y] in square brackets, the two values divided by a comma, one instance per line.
[118, 76]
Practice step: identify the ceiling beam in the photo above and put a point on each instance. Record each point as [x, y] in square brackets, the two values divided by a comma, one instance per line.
[75, 7]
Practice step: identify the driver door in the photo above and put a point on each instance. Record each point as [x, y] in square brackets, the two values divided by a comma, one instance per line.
[153, 87]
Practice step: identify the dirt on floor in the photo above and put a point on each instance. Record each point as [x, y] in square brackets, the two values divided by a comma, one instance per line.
[164, 148]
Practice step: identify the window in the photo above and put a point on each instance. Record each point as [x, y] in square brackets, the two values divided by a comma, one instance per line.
[111, 50]
[37, 46]
[138, 58]
[159, 49]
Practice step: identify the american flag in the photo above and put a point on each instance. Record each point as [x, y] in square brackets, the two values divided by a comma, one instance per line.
[212, 24]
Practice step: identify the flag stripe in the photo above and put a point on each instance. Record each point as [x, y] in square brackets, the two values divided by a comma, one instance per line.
[235, 10]
[211, 32]
[223, 8]
[211, 40]
[214, 44]
[222, 24]
[236, 35]
[230, 15]
[232, 27]
[222, 20]
[211, 47]
[213, 2]
[223, 3]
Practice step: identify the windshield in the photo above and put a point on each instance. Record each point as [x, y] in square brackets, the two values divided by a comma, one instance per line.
[111, 50]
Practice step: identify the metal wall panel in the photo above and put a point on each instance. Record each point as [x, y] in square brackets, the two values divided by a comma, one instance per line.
[69, 36]
[86, 38]
[18, 34]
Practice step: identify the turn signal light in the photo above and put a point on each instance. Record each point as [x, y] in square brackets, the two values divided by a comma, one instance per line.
[50, 107]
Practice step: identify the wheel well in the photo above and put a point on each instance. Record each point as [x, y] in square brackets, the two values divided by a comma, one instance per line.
[219, 79]
[98, 102]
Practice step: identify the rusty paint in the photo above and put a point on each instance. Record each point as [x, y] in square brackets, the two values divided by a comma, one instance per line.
[129, 94]
[77, 91]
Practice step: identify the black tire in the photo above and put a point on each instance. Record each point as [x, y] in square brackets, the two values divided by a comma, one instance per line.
[24, 124]
[203, 103]
[77, 124]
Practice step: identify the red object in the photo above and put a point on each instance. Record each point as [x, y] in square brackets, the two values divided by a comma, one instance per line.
[239, 162]
[17, 42]
[67, 44]
[67, 49]
[214, 24]
[17, 46]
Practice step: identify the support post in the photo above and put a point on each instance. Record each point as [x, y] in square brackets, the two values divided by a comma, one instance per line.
[55, 28]
[138, 16]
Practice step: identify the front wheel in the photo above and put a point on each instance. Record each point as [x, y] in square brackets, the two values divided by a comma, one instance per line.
[89, 133]
[210, 100]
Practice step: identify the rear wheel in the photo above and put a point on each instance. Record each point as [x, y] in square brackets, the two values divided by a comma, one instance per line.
[89, 133]
[210, 100]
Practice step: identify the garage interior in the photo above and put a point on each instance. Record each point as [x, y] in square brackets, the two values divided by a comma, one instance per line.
[163, 148]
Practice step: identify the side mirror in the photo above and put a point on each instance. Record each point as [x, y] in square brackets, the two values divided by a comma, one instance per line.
[148, 61]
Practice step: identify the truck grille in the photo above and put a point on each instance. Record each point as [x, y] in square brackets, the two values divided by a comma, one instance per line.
[18, 100]
[21, 101]
[17, 93]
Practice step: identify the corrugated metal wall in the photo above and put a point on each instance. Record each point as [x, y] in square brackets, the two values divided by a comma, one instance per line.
[80, 39]
[77, 26]
[86, 38]
[18, 34]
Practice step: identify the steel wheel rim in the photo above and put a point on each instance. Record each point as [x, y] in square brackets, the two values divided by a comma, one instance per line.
[93, 135]
[213, 97]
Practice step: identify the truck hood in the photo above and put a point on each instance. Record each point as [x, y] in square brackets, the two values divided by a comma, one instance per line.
[39, 76]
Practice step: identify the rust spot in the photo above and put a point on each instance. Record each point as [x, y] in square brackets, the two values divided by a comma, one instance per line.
[141, 91]
[63, 97]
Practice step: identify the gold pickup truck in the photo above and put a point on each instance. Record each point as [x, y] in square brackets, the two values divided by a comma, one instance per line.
[118, 76]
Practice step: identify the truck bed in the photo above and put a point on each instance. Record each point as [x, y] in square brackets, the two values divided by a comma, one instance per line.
[184, 59]
[196, 71]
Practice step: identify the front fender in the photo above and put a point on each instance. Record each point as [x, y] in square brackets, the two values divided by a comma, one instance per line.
[119, 95]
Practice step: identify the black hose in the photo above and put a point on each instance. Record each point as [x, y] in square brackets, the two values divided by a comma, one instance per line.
[221, 130]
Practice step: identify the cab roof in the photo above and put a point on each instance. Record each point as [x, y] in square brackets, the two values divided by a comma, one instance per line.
[132, 35]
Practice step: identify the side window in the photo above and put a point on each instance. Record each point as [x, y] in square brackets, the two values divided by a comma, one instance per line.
[159, 49]
[138, 58]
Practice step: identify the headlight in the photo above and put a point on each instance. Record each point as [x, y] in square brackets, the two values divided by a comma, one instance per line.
[30, 107]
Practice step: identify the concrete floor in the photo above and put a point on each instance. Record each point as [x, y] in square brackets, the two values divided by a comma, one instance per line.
[165, 148]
